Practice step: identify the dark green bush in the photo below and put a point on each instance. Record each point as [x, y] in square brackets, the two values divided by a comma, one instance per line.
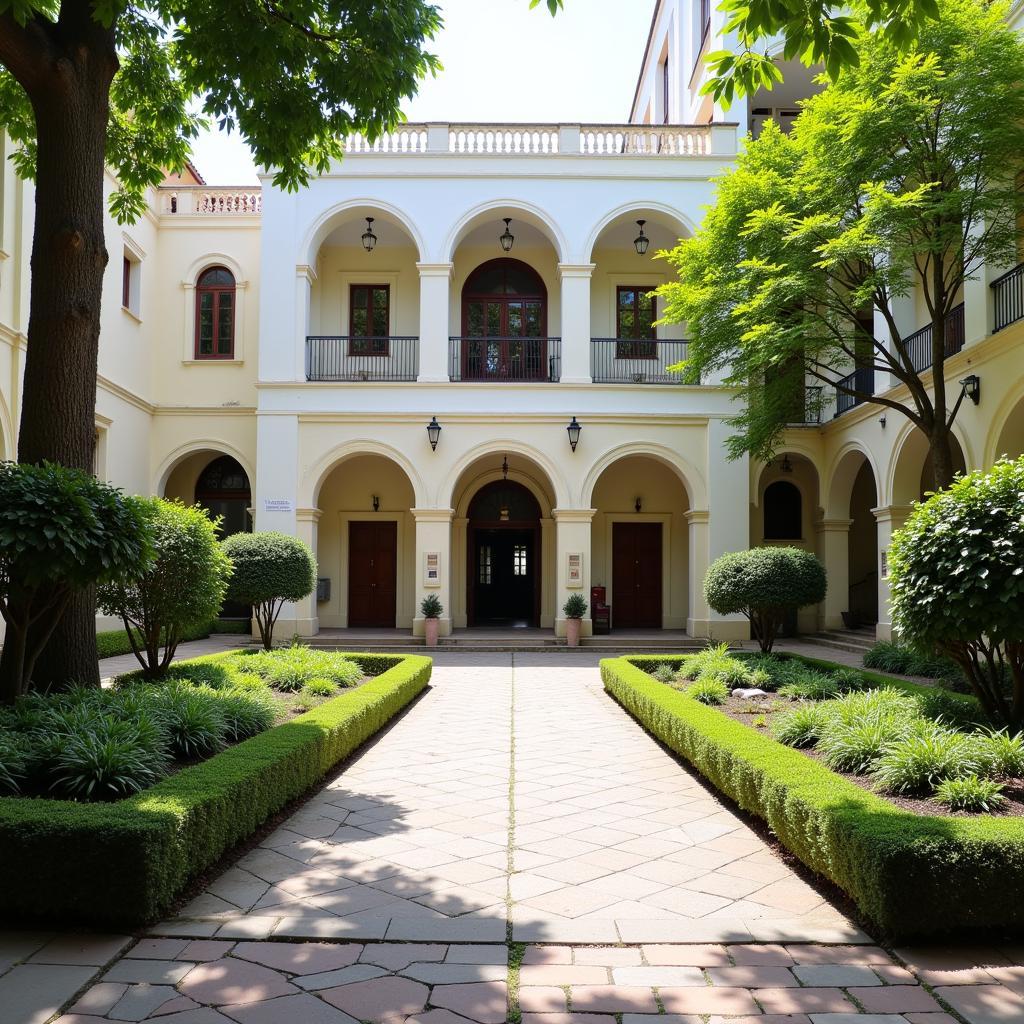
[765, 585]
[431, 607]
[575, 607]
[912, 875]
[132, 857]
[112, 643]
[887, 656]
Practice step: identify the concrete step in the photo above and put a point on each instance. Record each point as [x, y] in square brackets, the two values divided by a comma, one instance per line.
[852, 641]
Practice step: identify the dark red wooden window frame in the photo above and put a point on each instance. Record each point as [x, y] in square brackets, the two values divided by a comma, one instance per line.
[126, 283]
[381, 347]
[634, 347]
[666, 89]
[216, 290]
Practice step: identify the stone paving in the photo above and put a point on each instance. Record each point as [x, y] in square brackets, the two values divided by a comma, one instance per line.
[513, 810]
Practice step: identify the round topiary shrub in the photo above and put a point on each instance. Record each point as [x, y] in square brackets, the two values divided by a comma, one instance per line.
[765, 584]
[956, 574]
[269, 569]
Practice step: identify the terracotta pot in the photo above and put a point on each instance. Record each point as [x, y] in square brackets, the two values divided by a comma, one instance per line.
[572, 632]
[430, 630]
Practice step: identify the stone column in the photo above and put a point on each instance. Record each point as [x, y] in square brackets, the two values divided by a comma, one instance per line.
[572, 536]
[305, 276]
[889, 518]
[575, 280]
[434, 306]
[834, 547]
[307, 616]
[433, 537]
[699, 615]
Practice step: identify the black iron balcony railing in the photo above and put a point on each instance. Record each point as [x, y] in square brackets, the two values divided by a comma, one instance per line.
[862, 379]
[919, 344]
[634, 361]
[505, 359]
[1008, 298]
[812, 404]
[343, 358]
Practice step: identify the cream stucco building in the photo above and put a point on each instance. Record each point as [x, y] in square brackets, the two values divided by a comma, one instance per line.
[279, 358]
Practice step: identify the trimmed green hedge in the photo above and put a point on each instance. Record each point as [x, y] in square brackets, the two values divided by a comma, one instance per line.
[911, 875]
[124, 863]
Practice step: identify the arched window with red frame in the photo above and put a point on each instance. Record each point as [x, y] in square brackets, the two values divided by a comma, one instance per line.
[215, 314]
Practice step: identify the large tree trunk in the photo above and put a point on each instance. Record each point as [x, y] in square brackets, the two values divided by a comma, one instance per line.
[67, 75]
[940, 452]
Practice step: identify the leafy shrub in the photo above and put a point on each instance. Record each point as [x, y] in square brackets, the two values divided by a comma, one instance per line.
[245, 714]
[714, 662]
[304, 663]
[111, 643]
[765, 584]
[848, 680]
[970, 794]
[431, 607]
[810, 685]
[287, 677]
[864, 705]
[664, 673]
[927, 755]
[1002, 754]
[192, 720]
[267, 570]
[801, 727]
[575, 607]
[957, 584]
[13, 763]
[182, 588]
[855, 746]
[320, 688]
[943, 706]
[708, 690]
[888, 656]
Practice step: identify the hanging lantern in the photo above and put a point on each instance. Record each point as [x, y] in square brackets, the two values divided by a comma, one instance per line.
[506, 237]
[641, 241]
[369, 238]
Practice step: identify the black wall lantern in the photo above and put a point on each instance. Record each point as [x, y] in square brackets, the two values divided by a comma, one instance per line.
[574, 433]
[787, 466]
[506, 237]
[972, 387]
[641, 241]
[433, 433]
[369, 238]
[376, 503]
[638, 503]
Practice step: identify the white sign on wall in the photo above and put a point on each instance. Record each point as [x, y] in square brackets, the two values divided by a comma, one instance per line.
[574, 570]
[432, 569]
[277, 505]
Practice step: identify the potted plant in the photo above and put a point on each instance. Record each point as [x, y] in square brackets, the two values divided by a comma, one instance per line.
[575, 608]
[431, 610]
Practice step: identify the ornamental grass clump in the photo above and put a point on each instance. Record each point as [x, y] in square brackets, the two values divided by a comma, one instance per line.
[801, 727]
[927, 755]
[708, 690]
[855, 746]
[970, 794]
[319, 687]
[1002, 754]
[192, 720]
[664, 673]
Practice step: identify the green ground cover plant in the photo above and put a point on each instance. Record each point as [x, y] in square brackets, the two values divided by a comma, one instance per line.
[913, 875]
[888, 656]
[131, 857]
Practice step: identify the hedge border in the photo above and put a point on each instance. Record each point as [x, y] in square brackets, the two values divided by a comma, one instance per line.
[912, 876]
[124, 863]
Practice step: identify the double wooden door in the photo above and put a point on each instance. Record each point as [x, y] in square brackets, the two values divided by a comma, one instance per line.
[372, 573]
[636, 575]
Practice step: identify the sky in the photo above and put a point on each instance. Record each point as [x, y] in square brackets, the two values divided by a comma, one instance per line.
[505, 62]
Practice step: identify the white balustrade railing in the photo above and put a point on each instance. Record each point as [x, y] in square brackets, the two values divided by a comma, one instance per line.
[503, 138]
[410, 138]
[208, 201]
[645, 140]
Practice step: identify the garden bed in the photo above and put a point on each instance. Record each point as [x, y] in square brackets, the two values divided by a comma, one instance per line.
[123, 862]
[912, 875]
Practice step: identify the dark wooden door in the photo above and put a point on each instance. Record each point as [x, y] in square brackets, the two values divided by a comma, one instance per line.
[636, 575]
[372, 573]
[504, 583]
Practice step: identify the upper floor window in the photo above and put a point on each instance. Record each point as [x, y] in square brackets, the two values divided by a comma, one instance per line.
[666, 90]
[215, 314]
[705, 21]
[634, 322]
[369, 319]
[131, 275]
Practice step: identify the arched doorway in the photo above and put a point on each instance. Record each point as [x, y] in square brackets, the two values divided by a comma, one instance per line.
[504, 556]
[504, 323]
[223, 490]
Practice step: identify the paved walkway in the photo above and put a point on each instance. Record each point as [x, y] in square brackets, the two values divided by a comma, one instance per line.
[514, 808]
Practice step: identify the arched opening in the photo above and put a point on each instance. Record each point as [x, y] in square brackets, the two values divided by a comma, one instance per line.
[505, 554]
[640, 543]
[862, 549]
[504, 323]
[366, 544]
[782, 511]
[1011, 436]
[913, 476]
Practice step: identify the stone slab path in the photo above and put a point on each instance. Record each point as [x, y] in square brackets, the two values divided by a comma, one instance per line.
[513, 847]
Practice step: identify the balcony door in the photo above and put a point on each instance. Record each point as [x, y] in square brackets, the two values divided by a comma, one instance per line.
[504, 323]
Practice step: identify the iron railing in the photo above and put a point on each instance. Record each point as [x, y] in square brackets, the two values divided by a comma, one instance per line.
[505, 359]
[812, 405]
[919, 344]
[1008, 298]
[634, 361]
[863, 379]
[344, 358]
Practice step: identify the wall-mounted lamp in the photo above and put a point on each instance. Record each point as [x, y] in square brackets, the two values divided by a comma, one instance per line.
[504, 467]
[787, 466]
[638, 503]
[573, 430]
[506, 237]
[433, 433]
[641, 241]
[881, 421]
[971, 385]
[376, 503]
[369, 238]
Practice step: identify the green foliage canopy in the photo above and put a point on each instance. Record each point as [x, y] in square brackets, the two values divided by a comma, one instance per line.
[899, 176]
[956, 575]
[268, 569]
[182, 588]
[764, 584]
[60, 530]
